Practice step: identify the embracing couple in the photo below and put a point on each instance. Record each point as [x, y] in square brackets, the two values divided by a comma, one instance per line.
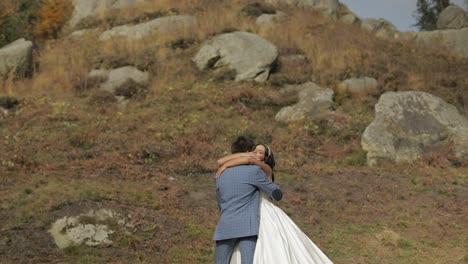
[250, 228]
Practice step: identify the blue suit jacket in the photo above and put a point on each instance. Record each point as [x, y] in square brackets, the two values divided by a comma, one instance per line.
[239, 200]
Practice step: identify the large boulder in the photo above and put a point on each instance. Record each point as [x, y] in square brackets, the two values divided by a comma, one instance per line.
[313, 102]
[250, 56]
[172, 25]
[16, 56]
[453, 17]
[409, 124]
[89, 8]
[329, 7]
[380, 27]
[454, 40]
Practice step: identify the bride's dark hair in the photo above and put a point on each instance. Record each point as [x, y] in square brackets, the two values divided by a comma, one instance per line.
[269, 159]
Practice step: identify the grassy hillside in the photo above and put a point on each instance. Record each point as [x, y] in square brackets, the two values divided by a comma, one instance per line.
[69, 148]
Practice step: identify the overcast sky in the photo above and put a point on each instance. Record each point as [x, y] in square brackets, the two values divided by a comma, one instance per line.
[399, 12]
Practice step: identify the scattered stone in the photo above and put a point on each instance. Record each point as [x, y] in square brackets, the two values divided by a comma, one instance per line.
[118, 79]
[89, 229]
[249, 55]
[313, 102]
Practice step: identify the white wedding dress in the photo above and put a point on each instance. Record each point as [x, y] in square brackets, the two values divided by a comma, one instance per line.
[280, 241]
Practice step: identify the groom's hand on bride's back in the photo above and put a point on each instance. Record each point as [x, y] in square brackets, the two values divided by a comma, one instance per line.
[277, 195]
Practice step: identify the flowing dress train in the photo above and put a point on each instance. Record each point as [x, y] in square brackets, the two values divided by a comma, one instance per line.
[280, 241]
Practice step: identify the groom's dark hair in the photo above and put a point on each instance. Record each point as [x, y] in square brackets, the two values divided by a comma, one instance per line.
[242, 144]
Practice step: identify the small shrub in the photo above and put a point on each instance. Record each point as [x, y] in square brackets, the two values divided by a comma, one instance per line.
[81, 140]
[406, 244]
[357, 158]
[8, 102]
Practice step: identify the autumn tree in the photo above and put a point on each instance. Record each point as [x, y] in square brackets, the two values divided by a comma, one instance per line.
[51, 17]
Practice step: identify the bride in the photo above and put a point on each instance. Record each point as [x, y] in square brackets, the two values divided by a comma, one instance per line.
[280, 241]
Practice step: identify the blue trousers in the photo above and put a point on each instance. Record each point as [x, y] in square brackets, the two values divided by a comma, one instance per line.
[224, 249]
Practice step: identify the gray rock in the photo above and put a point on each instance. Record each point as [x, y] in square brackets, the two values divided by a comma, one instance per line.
[246, 53]
[88, 229]
[329, 7]
[408, 124]
[380, 27]
[453, 17]
[87, 8]
[162, 25]
[454, 40]
[359, 87]
[118, 77]
[313, 101]
[16, 56]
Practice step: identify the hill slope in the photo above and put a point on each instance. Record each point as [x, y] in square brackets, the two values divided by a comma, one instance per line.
[69, 148]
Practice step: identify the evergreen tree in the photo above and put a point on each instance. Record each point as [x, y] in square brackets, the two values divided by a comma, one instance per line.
[427, 12]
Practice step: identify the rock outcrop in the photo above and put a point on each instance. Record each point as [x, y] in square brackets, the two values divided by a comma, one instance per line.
[16, 56]
[90, 8]
[250, 56]
[409, 124]
[313, 101]
[171, 25]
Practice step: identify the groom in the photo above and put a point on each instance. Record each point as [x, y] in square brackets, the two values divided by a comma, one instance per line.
[237, 193]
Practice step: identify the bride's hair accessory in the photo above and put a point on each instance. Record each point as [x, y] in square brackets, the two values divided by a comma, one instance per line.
[268, 151]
